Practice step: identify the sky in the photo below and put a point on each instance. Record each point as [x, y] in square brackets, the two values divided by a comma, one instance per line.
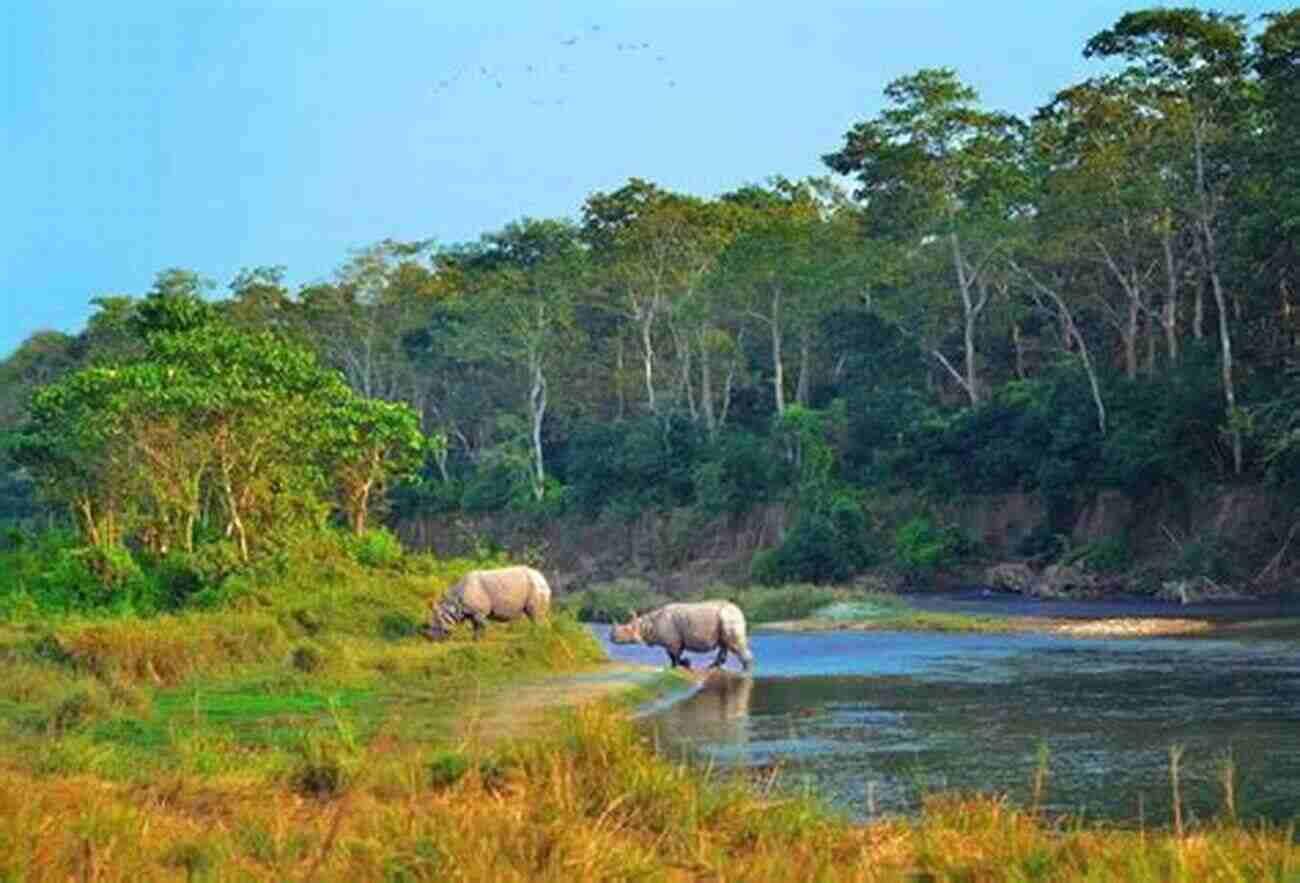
[219, 136]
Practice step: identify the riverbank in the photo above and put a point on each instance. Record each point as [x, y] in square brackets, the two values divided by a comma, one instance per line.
[583, 798]
[980, 610]
[314, 738]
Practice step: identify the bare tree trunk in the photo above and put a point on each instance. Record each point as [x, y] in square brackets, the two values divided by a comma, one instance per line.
[1018, 344]
[1170, 315]
[971, 309]
[648, 357]
[736, 356]
[1067, 317]
[537, 410]
[86, 512]
[1152, 345]
[805, 368]
[1209, 256]
[1130, 341]
[778, 363]
[968, 317]
[618, 376]
[1226, 364]
[1198, 305]
[706, 384]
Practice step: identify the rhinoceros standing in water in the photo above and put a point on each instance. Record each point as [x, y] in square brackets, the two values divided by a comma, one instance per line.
[699, 626]
[503, 595]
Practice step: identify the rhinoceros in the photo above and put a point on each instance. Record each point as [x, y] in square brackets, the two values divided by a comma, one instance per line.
[503, 595]
[700, 626]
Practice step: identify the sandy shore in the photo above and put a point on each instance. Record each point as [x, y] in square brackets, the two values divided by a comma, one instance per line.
[1119, 627]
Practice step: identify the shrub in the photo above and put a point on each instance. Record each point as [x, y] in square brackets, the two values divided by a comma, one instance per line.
[920, 547]
[377, 547]
[447, 768]
[307, 658]
[396, 626]
[176, 579]
[94, 579]
[612, 601]
[779, 603]
[827, 543]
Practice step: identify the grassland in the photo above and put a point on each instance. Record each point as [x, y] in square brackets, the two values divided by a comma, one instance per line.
[303, 733]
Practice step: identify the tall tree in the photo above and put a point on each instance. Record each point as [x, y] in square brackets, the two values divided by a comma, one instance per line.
[934, 166]
[522, 316]
[1194, 65]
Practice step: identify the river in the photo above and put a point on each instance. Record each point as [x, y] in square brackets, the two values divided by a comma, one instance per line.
[872, 720]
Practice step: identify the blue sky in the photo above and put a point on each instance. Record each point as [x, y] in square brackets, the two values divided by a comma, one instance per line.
[139, 136]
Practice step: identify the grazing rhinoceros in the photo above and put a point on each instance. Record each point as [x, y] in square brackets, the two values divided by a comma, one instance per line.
[503, 595]
[700, 626]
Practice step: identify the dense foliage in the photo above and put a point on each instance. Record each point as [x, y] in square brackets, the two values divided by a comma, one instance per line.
[1102, 294]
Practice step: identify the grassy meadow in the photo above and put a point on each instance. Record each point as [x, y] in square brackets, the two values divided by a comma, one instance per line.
[300, 730]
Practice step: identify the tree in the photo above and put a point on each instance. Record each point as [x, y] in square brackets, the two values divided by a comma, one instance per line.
[358, 323]
[523, 316]
[369, 443]
[73, 445]
[1194, 63]
[655, 250]
[934, 166]
[1106, 197]
[1271, 216]
[791, 265]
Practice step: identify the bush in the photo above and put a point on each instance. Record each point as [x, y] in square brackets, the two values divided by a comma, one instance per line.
[397, 626]
[307, 658]
[95, 579]
[922, 548]
[447, 768]
[780, 603]
[827, 543]
[176, 579]
[613, 601]
[377, 547]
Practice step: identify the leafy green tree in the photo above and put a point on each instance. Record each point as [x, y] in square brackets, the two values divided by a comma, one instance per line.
[1106, 198]
[369, 444]
[523, 317]
[788, 268]
[1194, 63]
[933, 167]
[655, 250]
[73, 445]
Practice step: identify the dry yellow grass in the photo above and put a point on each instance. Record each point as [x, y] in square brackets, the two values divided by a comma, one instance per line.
[589, 803]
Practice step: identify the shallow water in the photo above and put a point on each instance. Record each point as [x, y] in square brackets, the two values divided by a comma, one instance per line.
[872, 720]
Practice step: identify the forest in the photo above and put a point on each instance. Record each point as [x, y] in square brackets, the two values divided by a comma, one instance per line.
[1100, 295]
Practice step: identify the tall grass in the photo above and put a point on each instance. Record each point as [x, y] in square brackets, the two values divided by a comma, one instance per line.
[589, 802]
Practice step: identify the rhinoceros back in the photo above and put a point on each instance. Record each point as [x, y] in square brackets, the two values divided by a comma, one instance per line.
[504, 594]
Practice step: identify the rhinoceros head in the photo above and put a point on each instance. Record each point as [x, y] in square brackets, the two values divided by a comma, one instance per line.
[628, 632]
[441, 621]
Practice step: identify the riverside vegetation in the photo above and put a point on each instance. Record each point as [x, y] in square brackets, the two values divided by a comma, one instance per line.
[296, 728]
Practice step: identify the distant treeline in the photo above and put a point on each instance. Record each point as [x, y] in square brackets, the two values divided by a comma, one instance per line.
[1102, 294]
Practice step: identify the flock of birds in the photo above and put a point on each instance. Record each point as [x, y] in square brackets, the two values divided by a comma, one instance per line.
[499, 76]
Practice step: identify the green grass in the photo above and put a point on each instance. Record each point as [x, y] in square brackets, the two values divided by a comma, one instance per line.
[292, 735]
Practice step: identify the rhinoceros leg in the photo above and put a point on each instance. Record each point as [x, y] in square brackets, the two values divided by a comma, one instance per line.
[721, 657]
[478, 620]
[675, 658]
[746, 657]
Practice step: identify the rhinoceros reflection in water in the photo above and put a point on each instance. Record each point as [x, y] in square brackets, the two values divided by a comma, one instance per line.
[717, 713]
